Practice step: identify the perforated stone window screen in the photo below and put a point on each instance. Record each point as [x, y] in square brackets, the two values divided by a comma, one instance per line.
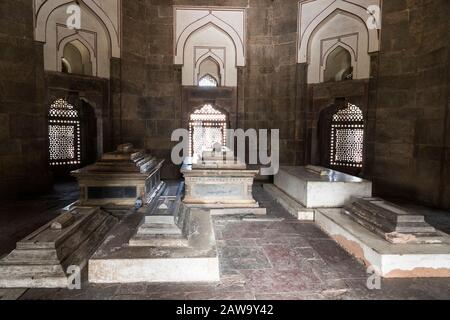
[347, 137]
[208, 81]
[64, 134]
[207, 127]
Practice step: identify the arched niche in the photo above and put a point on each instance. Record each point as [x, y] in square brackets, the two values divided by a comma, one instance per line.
[99, 28]
[338, 64]
[326, 24]
[340, 29]
[201, 33]
[78, 56]
[313, 13]
[219, 46]
[208, 65]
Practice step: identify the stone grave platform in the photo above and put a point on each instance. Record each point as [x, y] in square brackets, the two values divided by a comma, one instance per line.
[42, 259]
[317, 187]
[391, 222]
[407, 260]
[217, 180]
[119, 178]
[168, 242]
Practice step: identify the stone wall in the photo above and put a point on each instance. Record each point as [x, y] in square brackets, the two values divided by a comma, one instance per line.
[411, 148]
[23, 125]
[150, 103]
[288, 84]
[407, 148]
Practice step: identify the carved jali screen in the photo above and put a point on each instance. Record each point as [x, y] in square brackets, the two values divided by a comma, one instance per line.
[207, 126]
[64, 134]
[347, 137]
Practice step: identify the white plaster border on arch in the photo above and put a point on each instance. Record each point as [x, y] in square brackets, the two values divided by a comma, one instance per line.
[210, 19]
[44, 9]
[329, 8]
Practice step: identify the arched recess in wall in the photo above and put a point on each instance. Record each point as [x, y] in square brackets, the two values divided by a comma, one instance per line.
[100, 28]
[88, 60]
[323, 24]
[202, 33]
[339, 64]
[210, 64]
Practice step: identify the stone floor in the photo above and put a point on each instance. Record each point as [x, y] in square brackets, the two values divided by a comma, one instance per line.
[259, 260]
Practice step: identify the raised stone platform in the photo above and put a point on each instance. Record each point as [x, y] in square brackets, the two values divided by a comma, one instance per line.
[166, 242]
[391, 222]
[120, 178]
[118, 262]
[217, 180]
[42, 259]
[324, 188]
[288, 203]
[162, 225]
[391, 260]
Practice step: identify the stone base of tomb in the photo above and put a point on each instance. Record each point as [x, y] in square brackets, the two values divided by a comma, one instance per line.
[42, 259]
[290, 204]
[390, 260]
[167, 243]
[119, 178]
[226, 187]
[316, 187]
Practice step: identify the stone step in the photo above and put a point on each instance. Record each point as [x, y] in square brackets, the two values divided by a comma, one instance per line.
[238, 211]
[159, 219]
[38, 256]
[288, 203]
[416, 229]
[159, 229]
[173, 241]
[37, 282]
[30, 271]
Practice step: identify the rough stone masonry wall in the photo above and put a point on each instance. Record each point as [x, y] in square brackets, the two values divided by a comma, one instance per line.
[411, 149]
[149, 106]
[288, 84]
[23, 126]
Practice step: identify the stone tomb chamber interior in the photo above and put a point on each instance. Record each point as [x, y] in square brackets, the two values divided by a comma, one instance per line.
[233, 149]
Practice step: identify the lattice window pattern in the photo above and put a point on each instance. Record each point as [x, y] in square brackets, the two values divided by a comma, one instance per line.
[207, 127]
[347, 137]
[208, 81]
[64, 134]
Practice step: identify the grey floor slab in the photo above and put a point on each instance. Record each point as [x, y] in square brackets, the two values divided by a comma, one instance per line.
[275, 260]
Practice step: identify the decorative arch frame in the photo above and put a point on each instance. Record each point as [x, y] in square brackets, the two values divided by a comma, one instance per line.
[47, 7]
[336, 7]
[221, 25]
[62, 44]
[216, 59]
[349, 49]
